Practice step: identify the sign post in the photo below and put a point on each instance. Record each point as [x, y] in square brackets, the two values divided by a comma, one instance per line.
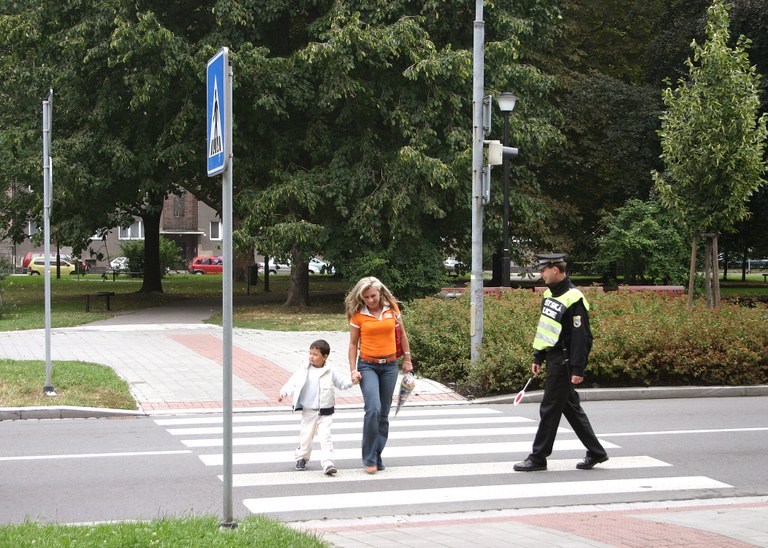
[219, 153]
[48, 389]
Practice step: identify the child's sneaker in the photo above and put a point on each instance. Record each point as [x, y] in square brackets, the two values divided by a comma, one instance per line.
[301, 464]
[330, 470]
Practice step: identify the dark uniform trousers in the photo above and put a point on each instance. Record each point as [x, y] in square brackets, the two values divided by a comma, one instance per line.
[560, 398]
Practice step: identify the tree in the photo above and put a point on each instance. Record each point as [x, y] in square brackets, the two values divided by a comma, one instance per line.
[371, 165]
[750, 238]
[352, 119]
[125, 100]
[713, 141]
[610, 116]
[641, 243]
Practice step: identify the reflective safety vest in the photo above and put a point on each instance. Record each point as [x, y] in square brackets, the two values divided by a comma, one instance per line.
[550, 321]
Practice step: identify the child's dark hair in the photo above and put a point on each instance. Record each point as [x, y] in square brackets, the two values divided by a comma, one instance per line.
[322, 346]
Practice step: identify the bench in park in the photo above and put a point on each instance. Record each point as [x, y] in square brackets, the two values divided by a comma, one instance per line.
[765, 276]
[115, 273]
[106, 294]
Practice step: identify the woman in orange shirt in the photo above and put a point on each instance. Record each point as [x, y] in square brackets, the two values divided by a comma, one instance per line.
[372, 312]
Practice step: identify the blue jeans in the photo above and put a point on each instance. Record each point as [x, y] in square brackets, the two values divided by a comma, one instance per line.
[378, 384]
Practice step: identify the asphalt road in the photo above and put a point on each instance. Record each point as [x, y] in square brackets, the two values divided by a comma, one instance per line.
[90, 470]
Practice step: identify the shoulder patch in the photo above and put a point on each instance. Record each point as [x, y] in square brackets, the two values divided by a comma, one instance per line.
[577, 321]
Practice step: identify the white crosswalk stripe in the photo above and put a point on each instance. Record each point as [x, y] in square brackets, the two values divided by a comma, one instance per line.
[354, 436]
[459, 457]
[432, 471]
[506, 448]
[410, 497]
[348, 425]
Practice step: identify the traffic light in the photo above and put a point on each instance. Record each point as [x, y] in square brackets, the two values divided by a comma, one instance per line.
[497, 152]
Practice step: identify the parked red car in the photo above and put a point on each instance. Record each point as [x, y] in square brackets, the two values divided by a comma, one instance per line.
[206, 265]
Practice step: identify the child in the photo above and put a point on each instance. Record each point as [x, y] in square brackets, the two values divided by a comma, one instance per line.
[312, 388]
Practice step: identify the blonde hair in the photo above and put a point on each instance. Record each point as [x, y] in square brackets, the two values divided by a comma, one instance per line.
[354, 299]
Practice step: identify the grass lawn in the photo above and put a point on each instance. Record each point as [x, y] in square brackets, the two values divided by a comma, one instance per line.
[253, 531]
[77, 384]
[91, 385]
[23, 302]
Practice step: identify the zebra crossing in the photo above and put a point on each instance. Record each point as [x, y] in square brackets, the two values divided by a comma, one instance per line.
[438, 459]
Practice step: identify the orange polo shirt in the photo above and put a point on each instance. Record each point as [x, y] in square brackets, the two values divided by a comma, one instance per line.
[377, 335]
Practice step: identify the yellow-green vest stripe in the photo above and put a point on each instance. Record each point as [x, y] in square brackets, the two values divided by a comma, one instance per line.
[549, 329]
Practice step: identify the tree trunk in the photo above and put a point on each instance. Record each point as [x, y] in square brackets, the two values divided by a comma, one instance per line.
[708, 270]
[711, 272]
[715, 271]
[692, 273]
[152, 276]
[266, 274]
[298, 288]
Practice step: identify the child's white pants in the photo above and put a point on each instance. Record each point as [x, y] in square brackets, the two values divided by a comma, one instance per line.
[314, 423]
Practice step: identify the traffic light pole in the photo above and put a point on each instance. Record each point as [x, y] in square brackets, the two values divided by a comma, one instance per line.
[478, 89]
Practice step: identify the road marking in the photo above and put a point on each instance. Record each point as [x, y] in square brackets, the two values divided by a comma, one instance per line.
[356, 436]
[208, 431]
[97, 455]
[522, 447]
[410, 497]
[339, 415]
[673, 432]
[430, 471]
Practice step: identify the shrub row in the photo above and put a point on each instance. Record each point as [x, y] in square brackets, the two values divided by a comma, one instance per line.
[641, 339]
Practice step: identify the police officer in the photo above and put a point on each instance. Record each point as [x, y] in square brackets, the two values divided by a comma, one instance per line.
[563, 339]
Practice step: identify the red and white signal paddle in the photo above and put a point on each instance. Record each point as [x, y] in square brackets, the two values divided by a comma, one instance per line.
[521, 394]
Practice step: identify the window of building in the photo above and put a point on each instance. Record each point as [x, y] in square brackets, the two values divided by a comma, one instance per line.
[215, 230]
[32, 229]
[178, 206]
[133, 232]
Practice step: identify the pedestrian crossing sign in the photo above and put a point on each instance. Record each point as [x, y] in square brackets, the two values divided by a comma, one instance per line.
[217, 97]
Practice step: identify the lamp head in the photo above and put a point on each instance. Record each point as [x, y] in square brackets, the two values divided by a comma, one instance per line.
[506, 101]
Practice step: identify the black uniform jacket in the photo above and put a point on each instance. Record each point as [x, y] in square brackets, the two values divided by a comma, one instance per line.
[575, 340]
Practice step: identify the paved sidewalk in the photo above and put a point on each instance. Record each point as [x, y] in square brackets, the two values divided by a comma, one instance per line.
[172, 362]
[725, 523]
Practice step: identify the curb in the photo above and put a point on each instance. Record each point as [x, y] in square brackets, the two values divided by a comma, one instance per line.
[646, 393]
[589, 394]
[64, 412]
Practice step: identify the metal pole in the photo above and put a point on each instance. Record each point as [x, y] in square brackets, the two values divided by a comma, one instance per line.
[226, 213]
[476, 279]
[505, 280]
[47, 188]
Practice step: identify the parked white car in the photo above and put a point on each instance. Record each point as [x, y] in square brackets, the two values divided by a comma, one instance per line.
[315, 266]
[279, 268]
[318, 266]
[119, 263]
[454, 267]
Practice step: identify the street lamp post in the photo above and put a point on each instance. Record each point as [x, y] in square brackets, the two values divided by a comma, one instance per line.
[506, 101]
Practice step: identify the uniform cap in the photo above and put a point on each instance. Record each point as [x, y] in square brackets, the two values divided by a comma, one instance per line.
[549, 259]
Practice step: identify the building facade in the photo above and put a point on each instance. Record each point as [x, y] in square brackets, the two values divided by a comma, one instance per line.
[193, 226]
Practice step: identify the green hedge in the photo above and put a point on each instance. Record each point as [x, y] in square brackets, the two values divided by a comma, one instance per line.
[641, 339]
